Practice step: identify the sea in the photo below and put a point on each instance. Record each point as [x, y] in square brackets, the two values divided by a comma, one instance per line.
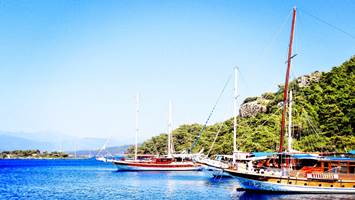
[91, 179]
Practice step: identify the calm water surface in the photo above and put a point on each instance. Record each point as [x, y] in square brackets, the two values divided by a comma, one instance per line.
[90, 179]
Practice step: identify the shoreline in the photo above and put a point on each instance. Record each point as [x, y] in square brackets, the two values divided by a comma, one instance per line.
[44, 158]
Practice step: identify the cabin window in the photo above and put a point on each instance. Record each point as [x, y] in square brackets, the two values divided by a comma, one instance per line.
[320, 185]
[343, 167]
[352, 169]
[309, 162]
[305, 184]
[334, 164]
[326, 168]
[335, 167]
[290, 182]
[331, 185]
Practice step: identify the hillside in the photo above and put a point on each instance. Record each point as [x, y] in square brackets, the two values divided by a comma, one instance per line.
[323, 119]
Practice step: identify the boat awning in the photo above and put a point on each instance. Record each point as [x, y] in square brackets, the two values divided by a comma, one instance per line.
[339, 158]
[352, 152]
[304, 156]
[263, 154]
[258, 158]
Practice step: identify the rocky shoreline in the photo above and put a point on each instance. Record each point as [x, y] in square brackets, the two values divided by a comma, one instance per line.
[32, 154]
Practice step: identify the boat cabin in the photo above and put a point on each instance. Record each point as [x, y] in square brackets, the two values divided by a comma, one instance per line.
[163, 160]
[309, 163]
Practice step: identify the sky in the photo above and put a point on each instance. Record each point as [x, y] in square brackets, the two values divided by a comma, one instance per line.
[74, 67]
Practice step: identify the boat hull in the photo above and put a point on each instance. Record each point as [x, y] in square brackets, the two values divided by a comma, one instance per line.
[103, 159]
[216, 172]
[130, 166]
[214, 167]
[273, 184]
[262, 186]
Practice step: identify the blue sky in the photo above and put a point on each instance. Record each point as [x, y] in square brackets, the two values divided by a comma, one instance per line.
[74, 67]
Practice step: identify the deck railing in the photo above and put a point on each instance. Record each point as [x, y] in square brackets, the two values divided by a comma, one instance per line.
[322, 176]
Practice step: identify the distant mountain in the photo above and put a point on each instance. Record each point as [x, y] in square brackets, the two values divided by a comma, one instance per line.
[114, 150]
[49, 141]
[8, 142]
[87, 143]
[117, 150]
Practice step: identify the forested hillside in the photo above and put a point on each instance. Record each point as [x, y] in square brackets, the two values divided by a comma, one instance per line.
[323, 119]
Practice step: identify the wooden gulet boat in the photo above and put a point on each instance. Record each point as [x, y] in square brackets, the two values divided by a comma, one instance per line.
[157, 164]
[170, 162]
[327, 175]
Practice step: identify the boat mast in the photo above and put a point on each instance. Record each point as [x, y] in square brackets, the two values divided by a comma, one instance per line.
[286, 81]
[289, 146]
[235, 114]
[75, 149]
[170, 130]
[137, 129]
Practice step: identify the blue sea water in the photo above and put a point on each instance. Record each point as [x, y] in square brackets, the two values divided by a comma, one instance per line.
[90, 179]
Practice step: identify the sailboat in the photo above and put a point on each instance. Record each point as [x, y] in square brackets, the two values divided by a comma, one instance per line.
[170, 162]
[217, 165]
[238, 159]
[298, 173]
[104, 157]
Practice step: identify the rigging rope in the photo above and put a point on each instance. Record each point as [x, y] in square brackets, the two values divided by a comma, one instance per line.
[104, 148]
[275, 35]
[267, 120]
[155, 147]
[254, 116]
[329, 24]
[215, 138]
[312, 128]
[269, 47]
[213, 109]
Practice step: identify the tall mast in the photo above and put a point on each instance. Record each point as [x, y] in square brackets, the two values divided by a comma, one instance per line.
[289, 146]
[75, 149]
[170, 130]
[286, 81]
[235, 114]
[137, 129]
